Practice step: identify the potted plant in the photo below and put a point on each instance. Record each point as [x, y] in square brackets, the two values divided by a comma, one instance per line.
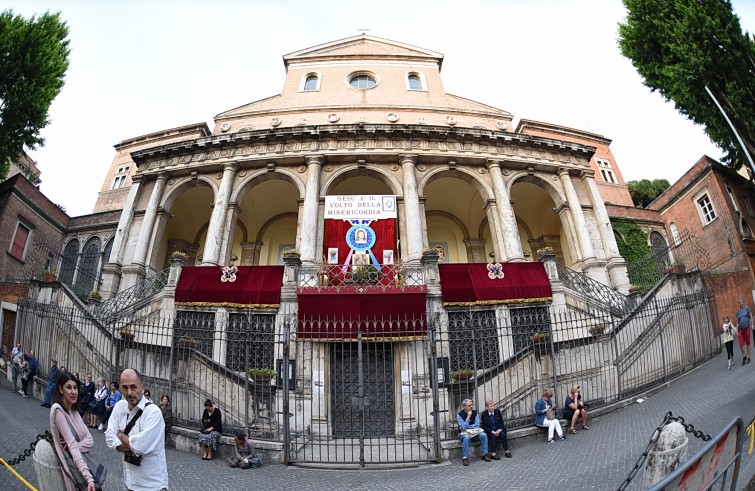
[679, 266]
[366, 274]
[540, 338]
[49, 274]
[398, 276]
[188, 342]
[324, 280]
[633, 289]
[462, 374]
[126, 333]
[262, 374]
[597, 329]
[95, 297]
[291, 252]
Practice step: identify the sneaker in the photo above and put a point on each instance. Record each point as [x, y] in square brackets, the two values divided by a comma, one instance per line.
[465, 461]
[749, 360]
[552, 440]
[562, 438]
[508, 454]
[101, 427]
[486, 458]
[744, 360]
[24, 396]
[495, 457]
[21, 392]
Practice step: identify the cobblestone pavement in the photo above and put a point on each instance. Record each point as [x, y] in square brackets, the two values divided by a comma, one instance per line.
[708, 397]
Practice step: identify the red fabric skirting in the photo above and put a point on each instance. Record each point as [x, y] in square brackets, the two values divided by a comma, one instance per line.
[469, 284]
[375, 313]
[255, 286]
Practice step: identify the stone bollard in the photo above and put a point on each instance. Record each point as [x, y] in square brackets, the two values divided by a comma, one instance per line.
[669, 451]
[47, 467]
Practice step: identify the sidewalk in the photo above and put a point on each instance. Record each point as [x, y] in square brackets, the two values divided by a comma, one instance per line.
[599, 459]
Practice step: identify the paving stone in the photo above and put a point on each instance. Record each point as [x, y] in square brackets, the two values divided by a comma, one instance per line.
[599, 459]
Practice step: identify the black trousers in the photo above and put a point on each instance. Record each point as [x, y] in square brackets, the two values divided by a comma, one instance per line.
[493, 441]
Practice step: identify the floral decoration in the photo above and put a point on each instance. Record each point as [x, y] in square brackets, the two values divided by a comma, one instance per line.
[495, 271]
[229, 274]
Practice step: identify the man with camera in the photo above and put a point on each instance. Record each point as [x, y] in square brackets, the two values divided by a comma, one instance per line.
[137, 429]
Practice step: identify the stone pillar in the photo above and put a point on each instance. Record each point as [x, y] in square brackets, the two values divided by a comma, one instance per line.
[580, 225]
[668, 453]
[510, 231]
[309, 225]
[214, 238]
[229, 229]
[250, 253]
[124, 224]
[47, 467]
[475, 250]
[411, 208]
[160, 227]
[575, 251]
[491, 209]
[148, 223]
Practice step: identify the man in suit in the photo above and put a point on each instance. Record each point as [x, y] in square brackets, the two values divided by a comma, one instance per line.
[492, 422]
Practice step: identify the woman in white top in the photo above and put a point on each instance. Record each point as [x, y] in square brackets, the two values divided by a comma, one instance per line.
[64, 421]
[96, 412]
[727, 337]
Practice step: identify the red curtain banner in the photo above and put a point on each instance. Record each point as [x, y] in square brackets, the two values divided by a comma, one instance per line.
[255, 286]
[385, 238]
[375, 313]
[469, 284]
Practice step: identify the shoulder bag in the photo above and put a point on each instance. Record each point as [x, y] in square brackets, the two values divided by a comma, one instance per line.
[96, 468]
[472, 432]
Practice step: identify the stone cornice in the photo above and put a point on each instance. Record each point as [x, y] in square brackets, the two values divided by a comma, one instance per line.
[431, 144]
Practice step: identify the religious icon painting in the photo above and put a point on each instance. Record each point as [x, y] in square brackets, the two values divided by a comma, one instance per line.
[360, 259]
[442, 248]
[387, 256]
[332, 255]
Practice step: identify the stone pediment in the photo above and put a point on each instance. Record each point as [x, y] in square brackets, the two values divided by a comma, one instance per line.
[362, 46]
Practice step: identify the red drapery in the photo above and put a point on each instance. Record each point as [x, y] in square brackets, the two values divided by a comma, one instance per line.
[469, 284]
[341, 314]
[255, 286]
[385, 238]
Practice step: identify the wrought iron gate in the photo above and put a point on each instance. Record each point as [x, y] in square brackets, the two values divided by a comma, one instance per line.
[362, 395]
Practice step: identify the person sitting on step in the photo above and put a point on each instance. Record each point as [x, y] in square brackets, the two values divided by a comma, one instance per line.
[469, 426]
[545, 416]
[495, 429]
[575, 408]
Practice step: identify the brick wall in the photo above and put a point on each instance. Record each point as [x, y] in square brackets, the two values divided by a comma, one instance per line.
[727, 287]
[12, 292]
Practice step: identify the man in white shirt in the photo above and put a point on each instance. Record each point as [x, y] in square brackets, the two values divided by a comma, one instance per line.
[143, 444]
[16, 357]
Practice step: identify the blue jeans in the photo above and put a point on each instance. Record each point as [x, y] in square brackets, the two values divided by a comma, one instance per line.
[49, 392]
[466, 441]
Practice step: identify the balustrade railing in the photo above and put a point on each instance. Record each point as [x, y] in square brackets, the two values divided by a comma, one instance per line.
[383, 276]
[116, 305]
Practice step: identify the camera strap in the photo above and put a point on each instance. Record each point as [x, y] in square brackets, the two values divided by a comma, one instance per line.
[133, 421]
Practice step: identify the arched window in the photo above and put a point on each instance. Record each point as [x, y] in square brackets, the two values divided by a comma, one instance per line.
[68, 265]
[414, 82]
[660, 249]
[90, 258]
[106, 255]
[675, 234]
[362, 81]
[311, 84]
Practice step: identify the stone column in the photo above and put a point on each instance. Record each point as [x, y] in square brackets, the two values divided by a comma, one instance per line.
[411, 207]
[309, 225]
[161, 225]
[229, 229]
[610, 247]
[217, 219]
[148, 223]
[491, 209]
[580, 225]
[510, 231]
[250, 253]
[124, 224]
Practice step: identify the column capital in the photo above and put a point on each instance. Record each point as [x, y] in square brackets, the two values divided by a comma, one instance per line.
[407, 159]
[231, 166]
[490, 163]
[587, 174]
[315, 159]
[162, 176]
[562, 171]
[137, 178]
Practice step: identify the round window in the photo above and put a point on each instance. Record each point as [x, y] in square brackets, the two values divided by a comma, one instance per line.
[362, 81]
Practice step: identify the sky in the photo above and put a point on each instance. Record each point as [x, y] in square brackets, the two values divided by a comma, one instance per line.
[143, 66]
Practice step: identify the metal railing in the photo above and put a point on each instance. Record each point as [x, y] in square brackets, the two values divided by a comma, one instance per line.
[377, 390]
[615, 302]
[120, 304]
[382, 276]
[684, 254]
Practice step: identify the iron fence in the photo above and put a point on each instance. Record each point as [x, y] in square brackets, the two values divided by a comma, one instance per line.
[381, 390]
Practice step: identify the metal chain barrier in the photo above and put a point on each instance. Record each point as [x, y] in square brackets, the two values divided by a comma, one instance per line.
[689, 428]
[27, 453]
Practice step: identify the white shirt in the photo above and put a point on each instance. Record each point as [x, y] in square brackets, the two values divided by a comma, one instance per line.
[147, 439]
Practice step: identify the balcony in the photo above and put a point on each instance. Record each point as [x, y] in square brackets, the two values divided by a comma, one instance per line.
[370, 276]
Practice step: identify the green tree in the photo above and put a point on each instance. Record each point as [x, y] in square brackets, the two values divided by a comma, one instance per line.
[33, 62]
[679, 47]
[644, 191]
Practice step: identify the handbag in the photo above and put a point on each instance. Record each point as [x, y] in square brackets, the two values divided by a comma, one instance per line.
[96, 468]
[93, 403]
[472, 432]
[550, 413]
[255, 461]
